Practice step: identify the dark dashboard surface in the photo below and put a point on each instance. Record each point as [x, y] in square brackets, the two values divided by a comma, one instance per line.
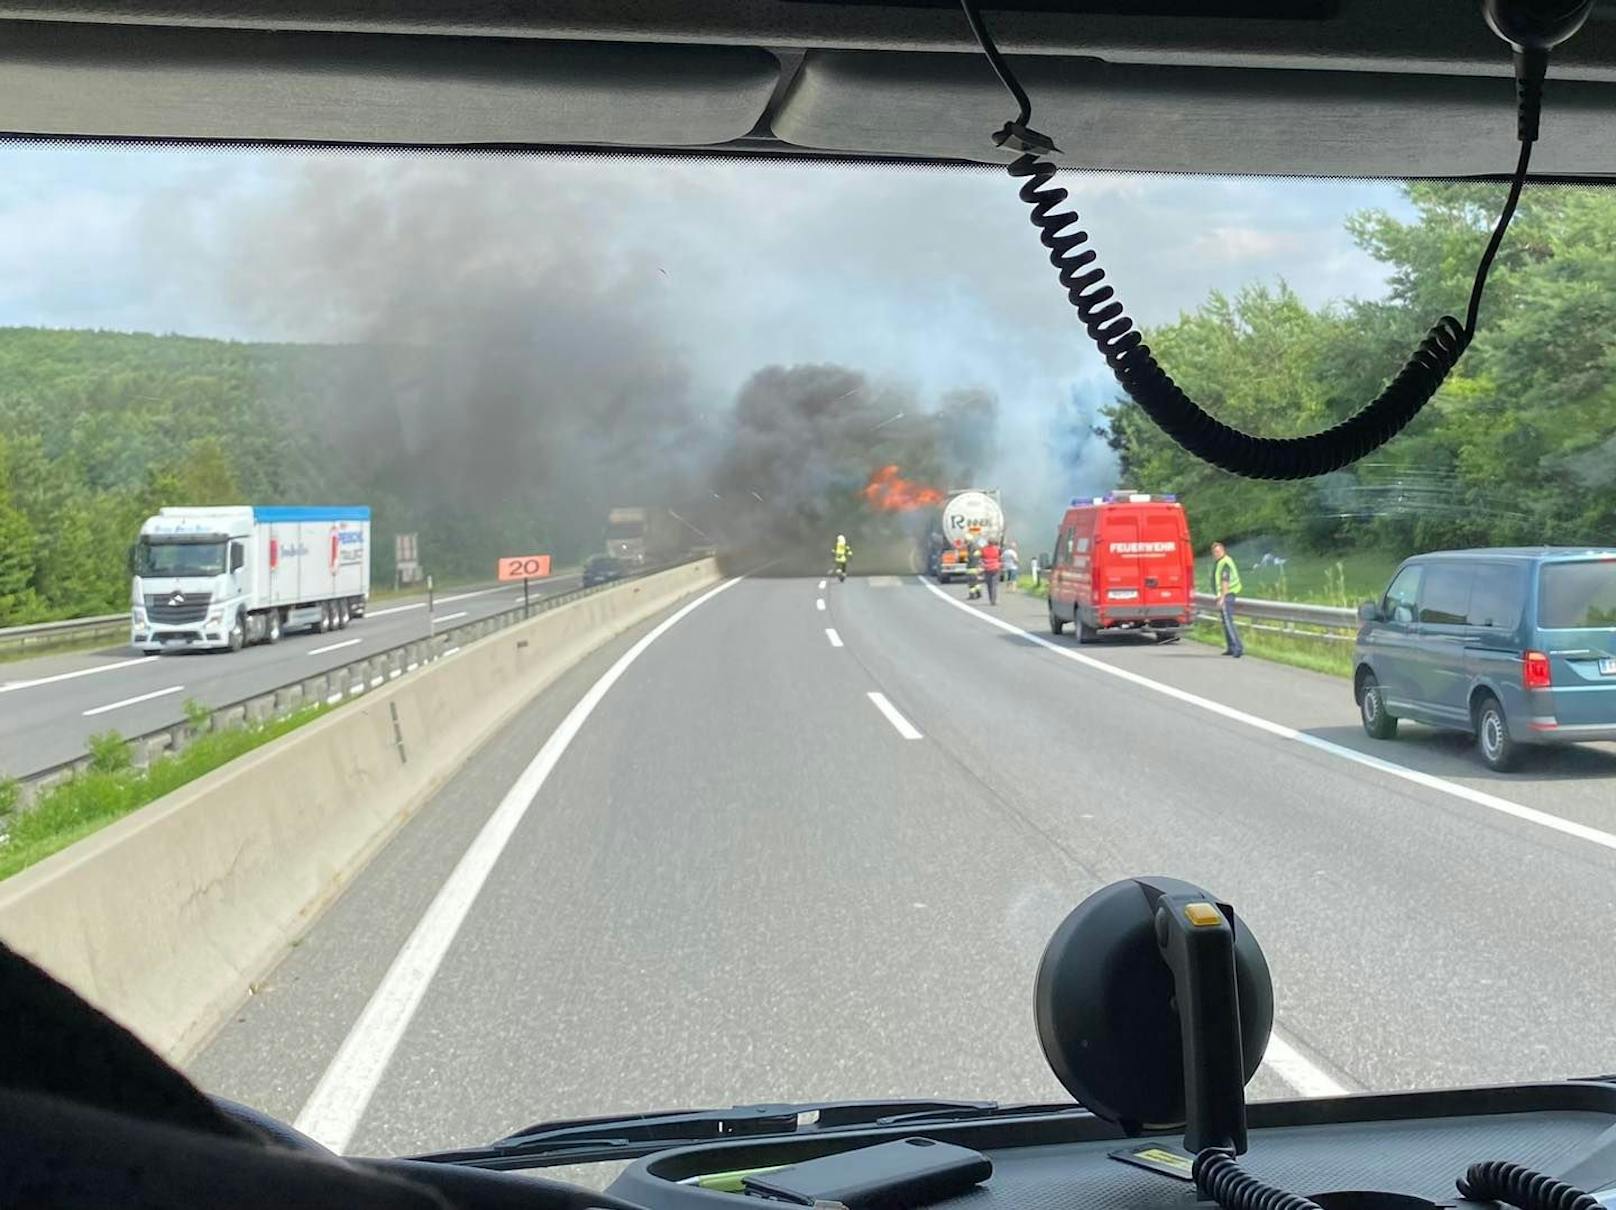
[1065, 1164]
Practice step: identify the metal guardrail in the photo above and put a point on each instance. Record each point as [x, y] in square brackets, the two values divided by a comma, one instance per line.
[50, 634]
[331, 687]
[1295, 618]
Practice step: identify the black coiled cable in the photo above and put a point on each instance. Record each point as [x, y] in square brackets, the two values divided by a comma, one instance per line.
[1153, 389]
[1219, 1177]
[1503, 1181]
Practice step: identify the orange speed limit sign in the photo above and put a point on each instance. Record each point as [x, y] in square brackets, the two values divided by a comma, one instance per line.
[524, 567]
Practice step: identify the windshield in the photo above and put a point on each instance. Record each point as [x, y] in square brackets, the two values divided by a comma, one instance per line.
[1578, 596]
[467, 827]
[155, 557]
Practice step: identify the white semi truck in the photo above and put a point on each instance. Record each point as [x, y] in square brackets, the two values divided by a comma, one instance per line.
[227, 577]
[967, 516]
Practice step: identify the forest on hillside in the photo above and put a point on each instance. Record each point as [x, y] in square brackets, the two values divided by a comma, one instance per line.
[1519, 447]
[100, 429]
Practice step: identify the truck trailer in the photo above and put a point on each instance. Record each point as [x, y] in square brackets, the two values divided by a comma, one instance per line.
[231, 576]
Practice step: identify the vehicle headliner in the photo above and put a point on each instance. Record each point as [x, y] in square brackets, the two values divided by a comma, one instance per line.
[1347, 88]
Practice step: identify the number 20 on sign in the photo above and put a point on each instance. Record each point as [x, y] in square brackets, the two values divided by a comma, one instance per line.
[524, 567]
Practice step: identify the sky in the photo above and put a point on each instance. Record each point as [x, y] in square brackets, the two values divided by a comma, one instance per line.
[932, 278]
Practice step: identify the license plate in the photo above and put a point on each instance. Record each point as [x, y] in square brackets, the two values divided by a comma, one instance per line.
[1607, 667]
[1123, 594]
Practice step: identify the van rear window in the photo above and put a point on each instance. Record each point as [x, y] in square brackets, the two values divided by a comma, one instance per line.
[1577, 596]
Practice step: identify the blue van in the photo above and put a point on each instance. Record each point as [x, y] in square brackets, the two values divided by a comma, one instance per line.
[1515, 646]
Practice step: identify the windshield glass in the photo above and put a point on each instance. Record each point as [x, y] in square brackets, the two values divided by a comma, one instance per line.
[155, 557]
[915, 638]
[1577, 596]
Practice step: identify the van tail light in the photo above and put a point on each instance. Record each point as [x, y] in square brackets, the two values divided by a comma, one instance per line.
[1535, 670]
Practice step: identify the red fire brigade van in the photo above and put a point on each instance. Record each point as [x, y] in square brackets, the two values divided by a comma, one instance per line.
[1123, 561]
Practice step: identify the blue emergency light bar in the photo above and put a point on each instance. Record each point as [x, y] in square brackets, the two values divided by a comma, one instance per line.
[1123, 498]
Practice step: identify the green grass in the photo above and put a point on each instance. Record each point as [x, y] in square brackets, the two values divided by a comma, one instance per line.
[1345, 580]
[1025, 584]
[111, 789]
[1321, 655]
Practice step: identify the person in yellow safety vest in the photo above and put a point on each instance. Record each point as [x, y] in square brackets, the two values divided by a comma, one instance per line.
[1226, 584]
[842, 554]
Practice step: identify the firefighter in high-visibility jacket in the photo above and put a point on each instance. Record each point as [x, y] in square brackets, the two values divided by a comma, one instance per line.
[1226, 586]
[841, 554]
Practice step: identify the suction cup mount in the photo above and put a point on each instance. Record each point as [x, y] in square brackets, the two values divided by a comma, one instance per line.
[1154, 1006]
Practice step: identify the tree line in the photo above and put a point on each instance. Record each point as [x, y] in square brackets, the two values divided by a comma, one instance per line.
[98, 430]
[1519, 446]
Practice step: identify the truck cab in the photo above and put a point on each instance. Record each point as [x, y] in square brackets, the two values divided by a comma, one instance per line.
[1122, 561]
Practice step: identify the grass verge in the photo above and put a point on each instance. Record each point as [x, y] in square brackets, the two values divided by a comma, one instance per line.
[1320, 655]
[1343, 580]
[111, 789]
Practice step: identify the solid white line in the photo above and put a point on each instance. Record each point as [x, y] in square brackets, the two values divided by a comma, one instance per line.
[339, 1100]
[820, 604]
[835, 639]
[382, 613]
[1430, 781]
[335, 646]
[449, 617]
[130, 701]
[904, 726]
[1300, 1072]
[13, 686]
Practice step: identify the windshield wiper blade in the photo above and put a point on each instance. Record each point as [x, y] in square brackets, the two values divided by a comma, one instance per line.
[628, 1136]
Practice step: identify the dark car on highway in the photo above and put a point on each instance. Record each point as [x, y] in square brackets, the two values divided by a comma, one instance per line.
[1515, 646]
[602, 568]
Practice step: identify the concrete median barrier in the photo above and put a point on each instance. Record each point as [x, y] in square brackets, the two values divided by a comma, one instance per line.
[166, 918]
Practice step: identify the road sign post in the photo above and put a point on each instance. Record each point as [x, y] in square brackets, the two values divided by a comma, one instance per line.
[525, 568]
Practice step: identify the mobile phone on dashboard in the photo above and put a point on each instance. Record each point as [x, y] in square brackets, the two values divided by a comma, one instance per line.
[907, 1172]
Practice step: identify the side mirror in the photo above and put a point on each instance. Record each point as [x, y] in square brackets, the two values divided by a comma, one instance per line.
[238, 557]
[1369, 612]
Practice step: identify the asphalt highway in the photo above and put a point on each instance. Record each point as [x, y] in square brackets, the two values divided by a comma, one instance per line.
[51, 705]
[809, 843]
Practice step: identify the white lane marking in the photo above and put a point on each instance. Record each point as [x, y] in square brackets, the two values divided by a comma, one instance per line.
[339, 1100]
[1300, 1072]
[1430, 781]
[461, 596]
[449, 617]
[822, 585]
[904, 727]
[820, 604]
[130, 701]
[835, 639]
[13, 686]
[335, 646]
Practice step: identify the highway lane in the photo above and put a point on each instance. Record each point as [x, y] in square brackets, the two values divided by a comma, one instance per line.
[743, 881]
[50, 706]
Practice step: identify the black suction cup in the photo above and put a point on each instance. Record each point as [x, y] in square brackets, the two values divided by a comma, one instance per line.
[1109, 990]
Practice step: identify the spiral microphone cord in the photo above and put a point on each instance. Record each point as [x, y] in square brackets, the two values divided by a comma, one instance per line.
[1122, 345]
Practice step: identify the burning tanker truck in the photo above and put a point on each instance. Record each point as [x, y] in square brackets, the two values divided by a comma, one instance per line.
[966, 517]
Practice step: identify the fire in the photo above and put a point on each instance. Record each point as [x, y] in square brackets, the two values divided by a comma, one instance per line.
[890, 492]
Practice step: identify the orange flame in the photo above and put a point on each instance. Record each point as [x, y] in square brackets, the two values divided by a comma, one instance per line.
[890, 492]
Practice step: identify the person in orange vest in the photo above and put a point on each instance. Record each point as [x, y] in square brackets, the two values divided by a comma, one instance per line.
[992, 564]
